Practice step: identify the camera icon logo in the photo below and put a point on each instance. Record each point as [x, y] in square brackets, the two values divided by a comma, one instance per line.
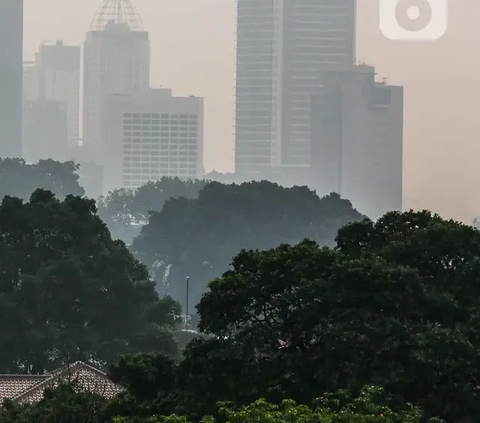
[413, 20]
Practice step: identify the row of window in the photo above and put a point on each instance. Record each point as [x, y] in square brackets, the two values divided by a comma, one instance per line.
[147, 169]
[158, 134]
[146, 122]
[153, 169]
[164, 143]
[142, 179]
[168, 159]
[155, 157]
[164, 146]
[158, 116]
[157, 174]
[139, 181]
[159, 159]
[152, 177]
[166, 127]
[134, 183]
[155, 149]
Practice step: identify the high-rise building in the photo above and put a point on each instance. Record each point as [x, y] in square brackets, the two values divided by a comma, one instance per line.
[11, 76]
[150, 134]
[58, 73]
[282, 46]
[357, 140]
[30, 81]
[51, 91]
[116, 61]
[45, 131]
[91, 178]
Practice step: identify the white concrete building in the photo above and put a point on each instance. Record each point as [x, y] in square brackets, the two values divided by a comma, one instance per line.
[282, 47]
[357, 140]
[150, 134]
[116, 61]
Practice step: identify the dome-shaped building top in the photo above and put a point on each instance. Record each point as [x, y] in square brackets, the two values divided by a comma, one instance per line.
[116, 12]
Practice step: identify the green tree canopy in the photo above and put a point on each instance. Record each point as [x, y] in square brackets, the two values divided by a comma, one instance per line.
[150, 382]
[69, 292]
[66, 404]
[396, 303]
[339, 407]
[124, 210]
[198, 237]
[19, 179]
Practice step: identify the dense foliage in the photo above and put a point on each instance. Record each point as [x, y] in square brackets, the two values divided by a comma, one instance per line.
[198, 237]
[19, 179]
[70, 404]
[69, 292]
[125, 210]
[393, 303]
[396, 304]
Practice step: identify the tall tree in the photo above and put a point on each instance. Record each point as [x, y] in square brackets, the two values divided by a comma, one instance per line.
[124, 210]
[395, 304]
[69, 292]
[198, 238]
[19, 179]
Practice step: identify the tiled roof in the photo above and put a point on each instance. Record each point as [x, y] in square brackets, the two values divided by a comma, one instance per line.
[13, 385]
[28, 389]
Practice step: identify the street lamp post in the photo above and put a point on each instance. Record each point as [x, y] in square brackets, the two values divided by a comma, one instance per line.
[186, 302]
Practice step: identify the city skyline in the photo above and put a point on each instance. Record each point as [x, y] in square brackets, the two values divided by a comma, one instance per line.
[306, 114]
[280, 51]
[439, 169]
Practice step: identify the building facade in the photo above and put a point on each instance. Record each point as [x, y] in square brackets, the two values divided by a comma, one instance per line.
[150, 134]
[11, 77]
[30, 81]
[282, 46]
[90, 178]
[58, 72]
[45, 131]
[357, 140]
[116, 61]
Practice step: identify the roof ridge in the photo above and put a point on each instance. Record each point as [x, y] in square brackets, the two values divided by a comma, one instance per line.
[76, 364]
[57, 374]
[90, 367]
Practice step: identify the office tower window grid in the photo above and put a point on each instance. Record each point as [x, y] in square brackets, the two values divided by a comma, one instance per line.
[282, 47]
[156, 145]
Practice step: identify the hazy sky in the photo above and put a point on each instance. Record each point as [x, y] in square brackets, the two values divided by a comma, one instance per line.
[193, 53]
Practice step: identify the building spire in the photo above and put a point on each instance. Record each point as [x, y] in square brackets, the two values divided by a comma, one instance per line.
[117, 12]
